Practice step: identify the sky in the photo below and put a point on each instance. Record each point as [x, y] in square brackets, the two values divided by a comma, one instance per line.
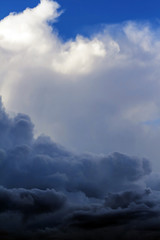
[86, 16]
[79, 119]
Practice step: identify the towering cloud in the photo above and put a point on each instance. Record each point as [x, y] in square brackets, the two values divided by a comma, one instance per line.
[87, 93]
[95, 94]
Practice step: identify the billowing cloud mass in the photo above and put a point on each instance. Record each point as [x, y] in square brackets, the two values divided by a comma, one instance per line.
[95, 94]
[51, 193]
[87, 93]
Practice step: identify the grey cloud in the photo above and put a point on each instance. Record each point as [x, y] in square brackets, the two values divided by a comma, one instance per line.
[126, 215]
[98, 99]
[30, 202]
[18, 130]
[49, 192]
[125, 199]
[41, 163]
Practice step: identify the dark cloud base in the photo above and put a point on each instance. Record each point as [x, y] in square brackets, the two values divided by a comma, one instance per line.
[47, 192]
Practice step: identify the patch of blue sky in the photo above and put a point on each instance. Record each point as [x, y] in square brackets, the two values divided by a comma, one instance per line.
[154, 122]
[85, 16]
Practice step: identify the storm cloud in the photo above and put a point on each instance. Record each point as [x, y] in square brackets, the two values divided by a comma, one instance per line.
[49, 192]
[39, 162]
[95, 94]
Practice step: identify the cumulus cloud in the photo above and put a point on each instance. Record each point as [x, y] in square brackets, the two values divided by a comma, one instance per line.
[98, 94]
[42, 163]
[103, 88]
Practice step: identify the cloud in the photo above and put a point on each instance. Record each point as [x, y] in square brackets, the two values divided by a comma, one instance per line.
[82, 86]
[90, 94]
[103, 88]
[50, 192]
[41, 163]
[30, 202]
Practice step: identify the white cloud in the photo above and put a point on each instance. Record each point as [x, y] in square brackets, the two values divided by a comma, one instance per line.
[78, 56]
[90, 94]
[27, 29]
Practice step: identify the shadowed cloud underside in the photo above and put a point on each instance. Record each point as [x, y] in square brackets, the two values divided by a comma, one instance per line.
[49, 192]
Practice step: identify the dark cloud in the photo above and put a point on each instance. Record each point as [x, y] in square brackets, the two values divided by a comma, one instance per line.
[121, 224]
[30, 202]
[16, 131]
[49, 192]
[125, 199]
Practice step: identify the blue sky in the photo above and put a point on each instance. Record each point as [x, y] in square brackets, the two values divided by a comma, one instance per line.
[83, 16]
